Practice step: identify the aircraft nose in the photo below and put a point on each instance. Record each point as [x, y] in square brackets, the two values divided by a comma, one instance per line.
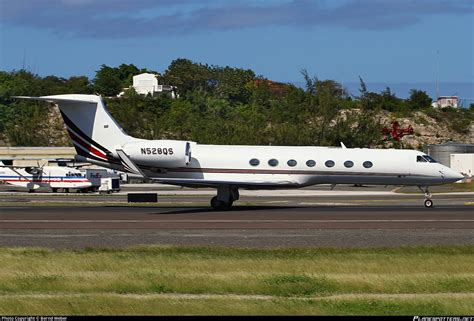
[452, 175]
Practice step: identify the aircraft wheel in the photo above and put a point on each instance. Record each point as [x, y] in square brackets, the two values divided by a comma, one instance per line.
[428, 203]
[220, 205]
[55, 190]
[31, 191]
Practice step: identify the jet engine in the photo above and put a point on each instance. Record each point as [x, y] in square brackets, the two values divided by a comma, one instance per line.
[159, 153]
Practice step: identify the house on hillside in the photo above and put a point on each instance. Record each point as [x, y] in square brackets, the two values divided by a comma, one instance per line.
[147, 83]
[446, 101]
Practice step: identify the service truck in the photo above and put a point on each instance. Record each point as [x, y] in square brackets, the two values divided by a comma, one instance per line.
[103, 180]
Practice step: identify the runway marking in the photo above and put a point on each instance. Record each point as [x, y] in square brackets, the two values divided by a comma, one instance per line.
[48, 236]
[326, 203]
[226, 221]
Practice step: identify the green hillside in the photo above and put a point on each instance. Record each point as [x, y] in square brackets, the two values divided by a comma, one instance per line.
[225, 105]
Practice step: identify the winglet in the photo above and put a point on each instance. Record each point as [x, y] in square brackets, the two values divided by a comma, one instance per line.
[128, 164]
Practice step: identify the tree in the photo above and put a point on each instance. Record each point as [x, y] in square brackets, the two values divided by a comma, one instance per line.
[231, 83]
[363, 88]
[369, 100]
[24, 123]
[126, 72]
[335, 89]
[390, 102]
[187, 75]
[107, 81]
[21, 83]
[356, 130]
[52, 85]
[419, 99]
[78, 85]
[310, 82]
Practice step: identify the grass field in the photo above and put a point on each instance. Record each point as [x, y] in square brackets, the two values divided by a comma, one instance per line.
[183, 280]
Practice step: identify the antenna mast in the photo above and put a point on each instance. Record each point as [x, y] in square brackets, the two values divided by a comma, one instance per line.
[437, 74]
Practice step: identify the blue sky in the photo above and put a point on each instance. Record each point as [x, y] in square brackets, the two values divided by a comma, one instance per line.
[381, 40]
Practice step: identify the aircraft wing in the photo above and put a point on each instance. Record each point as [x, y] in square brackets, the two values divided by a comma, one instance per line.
[13, 168]
[210, 183]
[69, 162]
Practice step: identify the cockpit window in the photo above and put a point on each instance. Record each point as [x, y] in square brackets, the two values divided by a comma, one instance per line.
[425, 159]
[430, 159]
[420, 159]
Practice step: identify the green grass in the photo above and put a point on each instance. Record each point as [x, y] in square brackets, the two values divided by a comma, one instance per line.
[188, 280]
[123, 305]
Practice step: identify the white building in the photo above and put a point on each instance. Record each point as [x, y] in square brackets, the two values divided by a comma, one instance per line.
[446, 101]
[463, 163]
[147, 83]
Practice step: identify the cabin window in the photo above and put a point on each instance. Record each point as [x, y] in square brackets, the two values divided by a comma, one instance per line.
[254, 162]
[310, 163]
[273, 162]
[348, 164]
[367, 164]
[329, 163]
[292, 163]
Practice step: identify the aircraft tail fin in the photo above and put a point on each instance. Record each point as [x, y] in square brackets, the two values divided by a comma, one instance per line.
[94, 133]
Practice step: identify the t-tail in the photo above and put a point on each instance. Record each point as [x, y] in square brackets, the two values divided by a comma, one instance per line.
[95, 134]
[99, 139]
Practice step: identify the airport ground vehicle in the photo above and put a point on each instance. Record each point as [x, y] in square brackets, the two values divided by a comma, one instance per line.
[102, 180]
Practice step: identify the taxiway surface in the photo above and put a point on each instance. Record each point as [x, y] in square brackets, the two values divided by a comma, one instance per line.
[352, 217]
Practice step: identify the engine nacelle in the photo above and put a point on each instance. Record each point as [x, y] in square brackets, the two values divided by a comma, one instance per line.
[159, 153]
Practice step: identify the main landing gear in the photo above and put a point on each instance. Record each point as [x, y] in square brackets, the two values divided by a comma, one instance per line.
[226, 195]
[428, 200]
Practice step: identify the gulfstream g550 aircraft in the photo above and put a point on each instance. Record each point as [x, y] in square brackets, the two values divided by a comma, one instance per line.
[99, 139]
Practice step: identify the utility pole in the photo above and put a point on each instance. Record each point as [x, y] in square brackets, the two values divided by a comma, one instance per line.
[437, 75]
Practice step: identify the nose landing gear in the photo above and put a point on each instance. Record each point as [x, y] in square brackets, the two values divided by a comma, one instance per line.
[428, 201]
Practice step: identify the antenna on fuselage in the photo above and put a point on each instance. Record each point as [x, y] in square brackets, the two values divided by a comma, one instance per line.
[342, 145]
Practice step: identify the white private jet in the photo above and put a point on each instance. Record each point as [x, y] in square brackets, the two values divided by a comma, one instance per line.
[99, 139]
[34, 177]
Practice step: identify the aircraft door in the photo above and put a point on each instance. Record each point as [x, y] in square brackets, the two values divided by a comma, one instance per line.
[188, 153]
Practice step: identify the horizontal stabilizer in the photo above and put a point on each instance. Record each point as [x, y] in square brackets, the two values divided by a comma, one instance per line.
[59, 98]
[128, 164]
